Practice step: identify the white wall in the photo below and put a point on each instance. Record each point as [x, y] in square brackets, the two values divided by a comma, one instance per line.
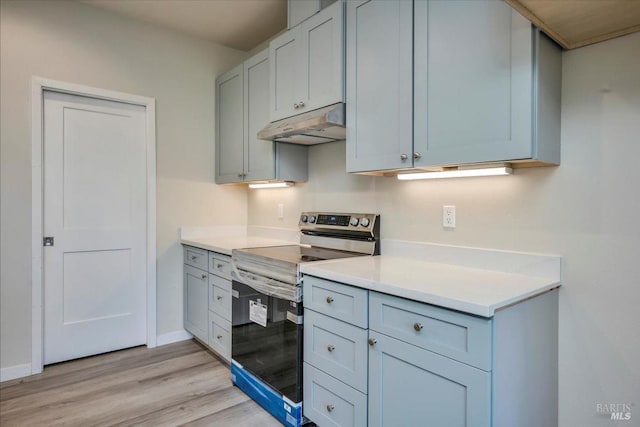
[587, 210]
[77, 43]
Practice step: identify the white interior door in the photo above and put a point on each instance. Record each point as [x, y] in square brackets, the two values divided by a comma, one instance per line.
[95, 209]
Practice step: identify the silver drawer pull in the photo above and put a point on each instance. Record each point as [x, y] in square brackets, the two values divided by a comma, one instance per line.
[329, 300]
[330, 407]
[193, 257]
[372, 341]
[301, 104]
[220, 266]
[219, 337]
[204, 276]
[418, 326]
[331, 347]
[219, 297]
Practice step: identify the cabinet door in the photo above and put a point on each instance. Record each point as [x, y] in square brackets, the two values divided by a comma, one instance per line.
[259, 155]
[284, 60]
[229, 126]
[379, 85]
[473, 82]
[410, 386]
[196, 301]
[321, 71]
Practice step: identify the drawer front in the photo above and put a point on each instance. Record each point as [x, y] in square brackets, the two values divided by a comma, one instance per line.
[220, 265]
[220, 296]
[329, 402]
[337, 348]
[220, 335]
[456, 335]
[344, 302]
[195, 257]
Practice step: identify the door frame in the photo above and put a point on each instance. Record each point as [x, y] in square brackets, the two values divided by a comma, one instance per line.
[38, 86]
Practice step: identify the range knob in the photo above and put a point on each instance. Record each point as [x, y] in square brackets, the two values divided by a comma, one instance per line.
[354, 221]
[312, 219]
[303, 218]
[364, 222]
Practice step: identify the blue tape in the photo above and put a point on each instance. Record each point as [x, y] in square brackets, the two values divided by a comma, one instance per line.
[286, 411]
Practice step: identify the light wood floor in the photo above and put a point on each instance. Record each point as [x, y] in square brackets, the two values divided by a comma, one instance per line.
[173, 385]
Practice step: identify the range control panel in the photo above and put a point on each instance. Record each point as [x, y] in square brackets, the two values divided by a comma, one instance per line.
[319, 220]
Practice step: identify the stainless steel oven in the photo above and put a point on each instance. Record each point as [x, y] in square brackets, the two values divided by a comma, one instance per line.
[267, 312]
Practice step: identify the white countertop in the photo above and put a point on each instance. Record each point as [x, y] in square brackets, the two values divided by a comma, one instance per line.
[471, 290]
[225, 244]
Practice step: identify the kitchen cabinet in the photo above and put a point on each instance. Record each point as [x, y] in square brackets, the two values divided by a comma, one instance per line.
[207, 298]
[242, 109]
[426, 365]
[307, 65]
[473, 82]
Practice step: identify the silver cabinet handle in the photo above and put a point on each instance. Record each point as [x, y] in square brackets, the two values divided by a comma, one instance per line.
[329, 300]
[330, 407]
[239, 175]
[417, 156]
[403, 157]
[219, 265]
[418, 326]
[204, 276]
[218, 337]
[296, 106]
[193, 257]
[301, 104]
[372, 341]
[331, 347]
[218, 297]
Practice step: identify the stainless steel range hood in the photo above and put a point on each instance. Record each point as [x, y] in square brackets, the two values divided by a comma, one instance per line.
[314, 127]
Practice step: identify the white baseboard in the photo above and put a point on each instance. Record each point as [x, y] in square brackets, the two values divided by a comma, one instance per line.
[172, 337]
[13, 372]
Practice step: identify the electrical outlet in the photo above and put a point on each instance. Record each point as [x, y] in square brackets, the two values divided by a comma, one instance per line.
[449, 216]
[280, 211]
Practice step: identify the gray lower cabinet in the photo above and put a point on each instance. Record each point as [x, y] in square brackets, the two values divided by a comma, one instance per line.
[207, 298]
[413, 363]
[242, 109]
[449, 83]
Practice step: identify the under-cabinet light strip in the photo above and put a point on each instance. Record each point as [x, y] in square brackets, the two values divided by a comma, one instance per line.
[459, 173]
[272, 185]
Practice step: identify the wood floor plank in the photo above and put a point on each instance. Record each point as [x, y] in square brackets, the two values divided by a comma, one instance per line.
[177, 384]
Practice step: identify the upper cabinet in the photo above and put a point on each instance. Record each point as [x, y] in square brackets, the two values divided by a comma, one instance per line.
[473, 83]
[300, 10]
[242, 109]
[307, 64]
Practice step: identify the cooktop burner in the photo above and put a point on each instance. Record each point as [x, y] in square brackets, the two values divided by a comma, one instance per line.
[296, 254]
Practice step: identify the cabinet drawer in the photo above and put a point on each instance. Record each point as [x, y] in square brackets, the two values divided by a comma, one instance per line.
[456, 335]
[329, 402]
[195, 257]
[220, 335]
[337, 348]
[343, 302]
[220, 265]
[220, 296]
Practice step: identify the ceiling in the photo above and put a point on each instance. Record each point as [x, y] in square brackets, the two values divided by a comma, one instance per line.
[576, 23]
[243, 24]
[239, 24]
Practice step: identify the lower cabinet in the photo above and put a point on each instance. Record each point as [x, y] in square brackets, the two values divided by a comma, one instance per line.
[207, 299]
[415, 364]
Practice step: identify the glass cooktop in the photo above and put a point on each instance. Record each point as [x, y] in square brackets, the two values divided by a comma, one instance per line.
[296, 254]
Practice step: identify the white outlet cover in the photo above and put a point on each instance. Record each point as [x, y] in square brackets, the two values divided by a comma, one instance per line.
[449, 216]
[280, 211]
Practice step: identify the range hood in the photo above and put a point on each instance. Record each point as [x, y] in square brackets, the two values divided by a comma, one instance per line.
[314, 127]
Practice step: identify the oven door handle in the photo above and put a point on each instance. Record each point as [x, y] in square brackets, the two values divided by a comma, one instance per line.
[258, 283]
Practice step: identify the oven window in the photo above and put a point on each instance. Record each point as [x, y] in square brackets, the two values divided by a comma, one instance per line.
[272, 353]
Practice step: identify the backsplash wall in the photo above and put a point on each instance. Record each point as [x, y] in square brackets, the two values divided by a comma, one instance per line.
[586, 210]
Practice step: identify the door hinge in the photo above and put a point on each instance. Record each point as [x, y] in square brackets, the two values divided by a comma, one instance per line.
[47, 241]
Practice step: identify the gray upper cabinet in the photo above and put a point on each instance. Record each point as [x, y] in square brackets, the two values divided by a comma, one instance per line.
[242, 109]
[486, 87]
[299, 10]
[230, 126]
[379, 84]
[307, 64]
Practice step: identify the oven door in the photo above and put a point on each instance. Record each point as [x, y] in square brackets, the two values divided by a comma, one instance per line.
[271, 350]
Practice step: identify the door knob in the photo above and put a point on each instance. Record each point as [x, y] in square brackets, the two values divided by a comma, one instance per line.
[403, 157]
[418, 326]
[372, 341]
[329, 300]
[331, 347]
